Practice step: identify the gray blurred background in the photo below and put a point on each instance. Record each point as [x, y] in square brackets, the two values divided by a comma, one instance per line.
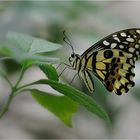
[85, 22]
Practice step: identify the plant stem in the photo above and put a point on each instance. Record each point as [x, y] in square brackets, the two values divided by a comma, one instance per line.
[12, 95]
[5, 108]
[6, 78]
[20, 77]
[21, 90]
[30, 84]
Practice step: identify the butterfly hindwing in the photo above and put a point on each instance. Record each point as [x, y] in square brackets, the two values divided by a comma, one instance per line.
[87, 78]
[114, 68]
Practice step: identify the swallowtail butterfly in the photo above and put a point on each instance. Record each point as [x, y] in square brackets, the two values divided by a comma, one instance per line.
[112, 60]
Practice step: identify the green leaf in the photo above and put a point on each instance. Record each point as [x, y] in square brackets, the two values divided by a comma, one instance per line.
[78, 96]
[62, 106]
[49, 71]
[4, 50]
[32, 44]
[27, 48]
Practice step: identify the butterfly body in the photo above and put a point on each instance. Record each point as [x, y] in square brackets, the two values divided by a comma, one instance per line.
[112, 60]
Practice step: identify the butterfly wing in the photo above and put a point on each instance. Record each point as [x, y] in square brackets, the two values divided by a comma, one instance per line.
[116, 71]
[86, 76]
[113, 59]
[126, 40]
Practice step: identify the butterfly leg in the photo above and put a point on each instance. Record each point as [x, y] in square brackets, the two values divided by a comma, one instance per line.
[66, 66]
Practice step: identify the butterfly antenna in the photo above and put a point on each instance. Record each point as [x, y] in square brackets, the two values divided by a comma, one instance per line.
[66, 39]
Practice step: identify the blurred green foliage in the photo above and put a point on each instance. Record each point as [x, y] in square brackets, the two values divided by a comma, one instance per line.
[26, 50]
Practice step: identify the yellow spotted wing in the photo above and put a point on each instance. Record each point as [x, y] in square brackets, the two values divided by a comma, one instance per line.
[112, 59]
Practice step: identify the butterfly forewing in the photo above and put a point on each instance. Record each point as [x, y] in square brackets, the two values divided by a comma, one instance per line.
[126, 40]
[112, 59]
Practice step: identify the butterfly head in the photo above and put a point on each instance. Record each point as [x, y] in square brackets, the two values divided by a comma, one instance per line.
[74, 58]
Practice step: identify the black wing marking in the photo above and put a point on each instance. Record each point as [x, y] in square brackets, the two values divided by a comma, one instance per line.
[127, 40]
[114, 68]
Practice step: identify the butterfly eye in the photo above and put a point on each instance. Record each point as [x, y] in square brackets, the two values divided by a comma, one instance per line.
[70, 59]
[72, 55]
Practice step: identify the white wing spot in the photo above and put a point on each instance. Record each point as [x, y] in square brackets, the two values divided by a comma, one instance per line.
[123, 34]
[121, 46]
[132, 70]
[138, 31]
[116, 38]
[129, 55]
[125, 42]
[131, 77]
[130, 39]
[106, 43]
[113, 45]
[136, 46]
[135, 36]
[134, 58]
[123, 90]
[114, 35]
[129, 86]
[137, 52]
[131, 50]
[139, 41]
[131, 61]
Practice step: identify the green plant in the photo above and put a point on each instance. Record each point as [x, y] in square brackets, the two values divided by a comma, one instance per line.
[28, 51]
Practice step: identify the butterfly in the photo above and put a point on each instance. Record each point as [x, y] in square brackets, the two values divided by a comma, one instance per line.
[111, 60]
